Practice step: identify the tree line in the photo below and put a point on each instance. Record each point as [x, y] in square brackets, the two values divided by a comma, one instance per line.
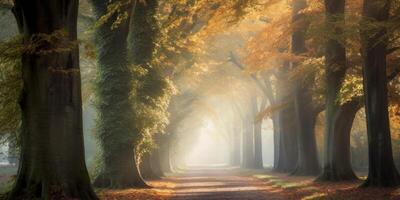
[143, 47]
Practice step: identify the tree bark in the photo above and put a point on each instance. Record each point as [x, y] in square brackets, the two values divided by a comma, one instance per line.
[115, 130]
[286, 130]
[143, 33]
[382, 171]
[337, 164]
[52, 153]
[307, 162]
[340, 168]
[288, 150]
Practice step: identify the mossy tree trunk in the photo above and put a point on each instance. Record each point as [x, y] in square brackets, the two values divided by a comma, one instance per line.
[115, 130]
[142, 40]
[374, 40]
[52, 162]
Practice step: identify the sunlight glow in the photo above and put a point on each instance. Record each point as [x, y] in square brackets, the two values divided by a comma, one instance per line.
[209, 149]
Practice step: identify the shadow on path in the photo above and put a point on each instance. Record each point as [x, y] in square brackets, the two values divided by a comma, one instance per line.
[218, 184]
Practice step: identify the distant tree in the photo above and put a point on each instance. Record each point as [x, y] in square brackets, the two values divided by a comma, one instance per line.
[248, 154]
[258, 152]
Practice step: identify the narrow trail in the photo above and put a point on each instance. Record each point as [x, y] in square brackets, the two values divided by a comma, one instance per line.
[219, 184]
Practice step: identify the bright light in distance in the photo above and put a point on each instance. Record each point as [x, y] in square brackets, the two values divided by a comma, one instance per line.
[210, 149]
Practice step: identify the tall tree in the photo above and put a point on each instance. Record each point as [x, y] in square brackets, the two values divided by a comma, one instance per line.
[150, 86]
[258, 156]
[285, 133]
[52, 154]
[307, 161]
[237, 135]
[235, 146]
[285, 125]
[115, 129]
[248, 159]
[374, 40]
[337, 163]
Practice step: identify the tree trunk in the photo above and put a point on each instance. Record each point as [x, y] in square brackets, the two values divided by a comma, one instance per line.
[143, 33]
[340, 167]
[307, 162]
[52, 153]
[235, 153]
[145, 168]
[258, 146]
[337, 164]
[165, 157]
[382, 171]
[287, 152]
[258, 152]
[248, 143]
[155, 163]
[276, 132]
[115, 130]
[141, 48]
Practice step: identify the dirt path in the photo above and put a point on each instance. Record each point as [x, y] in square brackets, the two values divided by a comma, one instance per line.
[228, 184]
[218, 185]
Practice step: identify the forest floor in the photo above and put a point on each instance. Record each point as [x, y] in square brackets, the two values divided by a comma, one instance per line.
[235, 184]
[225, 184]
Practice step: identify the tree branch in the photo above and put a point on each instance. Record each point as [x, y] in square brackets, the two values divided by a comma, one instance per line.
[232, 58]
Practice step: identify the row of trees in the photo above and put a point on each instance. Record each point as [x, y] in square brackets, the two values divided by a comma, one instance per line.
[299, 64]
[136, 43]
[143, 46]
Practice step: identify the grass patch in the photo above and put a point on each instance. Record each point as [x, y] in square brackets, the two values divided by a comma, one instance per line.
[263, 176]
[315, 196]
[6, 186]
[277, 182]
